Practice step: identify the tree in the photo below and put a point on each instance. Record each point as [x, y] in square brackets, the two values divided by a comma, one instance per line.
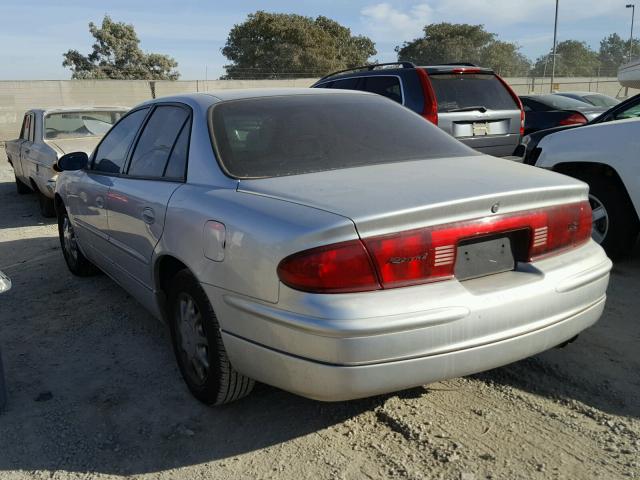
[278, 45]
[458, 42]
[614, 51]
[116, 55]
[573, 59]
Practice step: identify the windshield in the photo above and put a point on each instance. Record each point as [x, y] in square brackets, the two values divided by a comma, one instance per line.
[601, 100]
[456, 91]
[558, 102]
[289, 135]
[79, 124]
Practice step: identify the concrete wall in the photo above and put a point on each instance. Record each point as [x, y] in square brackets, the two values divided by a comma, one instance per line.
[18, 96]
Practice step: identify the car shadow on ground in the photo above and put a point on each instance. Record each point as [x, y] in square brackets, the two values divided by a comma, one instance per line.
[26, 211]
[93, 385]
[601, 369]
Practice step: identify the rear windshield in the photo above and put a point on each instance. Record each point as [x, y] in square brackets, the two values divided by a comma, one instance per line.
[290, 135]
[455, 91]
[558, 102]
[601, 100]
[79, 124]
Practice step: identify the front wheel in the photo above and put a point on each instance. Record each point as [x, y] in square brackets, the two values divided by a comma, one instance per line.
[198, 346]
[76, 261]
[615, 225]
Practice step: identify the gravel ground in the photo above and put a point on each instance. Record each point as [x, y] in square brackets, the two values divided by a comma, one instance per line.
[94, 391]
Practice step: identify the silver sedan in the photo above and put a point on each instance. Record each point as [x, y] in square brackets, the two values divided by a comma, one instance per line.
[330, 243]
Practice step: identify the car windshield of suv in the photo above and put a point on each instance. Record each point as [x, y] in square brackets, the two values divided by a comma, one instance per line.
[79, 124]
[459, 91]
[290, 135]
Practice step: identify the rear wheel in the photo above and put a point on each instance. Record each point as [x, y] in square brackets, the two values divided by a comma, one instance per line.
[21, 187]
[76, 261]
[615, 225]
[47, 207]
[198, 346]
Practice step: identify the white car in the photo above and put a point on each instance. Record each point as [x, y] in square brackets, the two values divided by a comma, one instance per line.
[606, 156]
[45, 136]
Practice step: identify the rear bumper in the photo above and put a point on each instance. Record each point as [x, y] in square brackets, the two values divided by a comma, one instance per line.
[496, 145]
[328, 382]
[337, 347]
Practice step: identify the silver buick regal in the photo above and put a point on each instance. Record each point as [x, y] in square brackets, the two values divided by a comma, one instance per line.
[330, 243]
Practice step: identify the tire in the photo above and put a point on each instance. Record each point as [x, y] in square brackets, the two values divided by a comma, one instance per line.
[198, 347]
[615, 224]
[21, 188]
[47, 207]
[77, 263]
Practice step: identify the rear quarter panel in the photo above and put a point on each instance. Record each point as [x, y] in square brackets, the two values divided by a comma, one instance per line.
[616, 144]
[259, 232]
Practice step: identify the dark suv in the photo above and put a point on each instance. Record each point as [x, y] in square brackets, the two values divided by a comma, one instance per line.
[471, 103]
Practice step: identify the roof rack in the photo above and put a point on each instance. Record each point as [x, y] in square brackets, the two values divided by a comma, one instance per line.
[370, 67]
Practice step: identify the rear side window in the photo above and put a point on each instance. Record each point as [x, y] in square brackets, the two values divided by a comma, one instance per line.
[177, 165]
[156, 142]
[289, 135]
[386, 86]
[631, 112]
[112, 152]
[460, 91]
[346, 84]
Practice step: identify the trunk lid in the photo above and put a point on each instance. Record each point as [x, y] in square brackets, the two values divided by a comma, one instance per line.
[69, 145]
[400, 196]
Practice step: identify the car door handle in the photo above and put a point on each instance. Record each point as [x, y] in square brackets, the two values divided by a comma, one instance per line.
[99, 202]
[148, 215]
[27, 151]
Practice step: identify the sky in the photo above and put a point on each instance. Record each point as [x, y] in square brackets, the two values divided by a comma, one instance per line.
[35, 33]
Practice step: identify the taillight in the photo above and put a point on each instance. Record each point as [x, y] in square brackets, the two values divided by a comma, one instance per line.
[573, 119]
[428, 254]
[516, 99]
[430, 109]
[337, 268]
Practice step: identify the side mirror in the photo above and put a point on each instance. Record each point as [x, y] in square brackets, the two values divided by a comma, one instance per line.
[5, 283]
[72, 161]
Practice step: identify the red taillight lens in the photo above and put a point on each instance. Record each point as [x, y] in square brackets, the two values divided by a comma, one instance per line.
[430, 109]
[564, 227]
[338, 268]
[428, 254]
[574, 119]
[516, 99]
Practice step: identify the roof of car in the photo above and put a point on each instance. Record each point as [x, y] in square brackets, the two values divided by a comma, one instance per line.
[386, 68]
[244, 93]
[83, 108]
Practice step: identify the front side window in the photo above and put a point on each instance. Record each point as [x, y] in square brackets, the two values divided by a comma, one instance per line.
[156, 141]
[290, 135]
[112, 152]
[79, 124]
[631, 112]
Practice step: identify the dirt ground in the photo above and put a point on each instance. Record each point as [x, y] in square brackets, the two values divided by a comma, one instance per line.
[94, 391]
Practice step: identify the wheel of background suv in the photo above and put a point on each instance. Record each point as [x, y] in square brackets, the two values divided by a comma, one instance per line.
[615, 225]
[47, 207]
[198, 346]
[21, 187]
[76, 261]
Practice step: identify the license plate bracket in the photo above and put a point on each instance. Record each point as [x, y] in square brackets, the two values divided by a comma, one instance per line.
[483, 256]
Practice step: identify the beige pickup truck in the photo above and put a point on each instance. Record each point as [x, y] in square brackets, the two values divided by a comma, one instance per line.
[45, 136]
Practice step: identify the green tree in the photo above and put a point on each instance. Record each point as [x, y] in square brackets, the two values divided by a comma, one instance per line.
[116, 55]
[457, 42]
[278, 45]
[573, 59]
[614, 51]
